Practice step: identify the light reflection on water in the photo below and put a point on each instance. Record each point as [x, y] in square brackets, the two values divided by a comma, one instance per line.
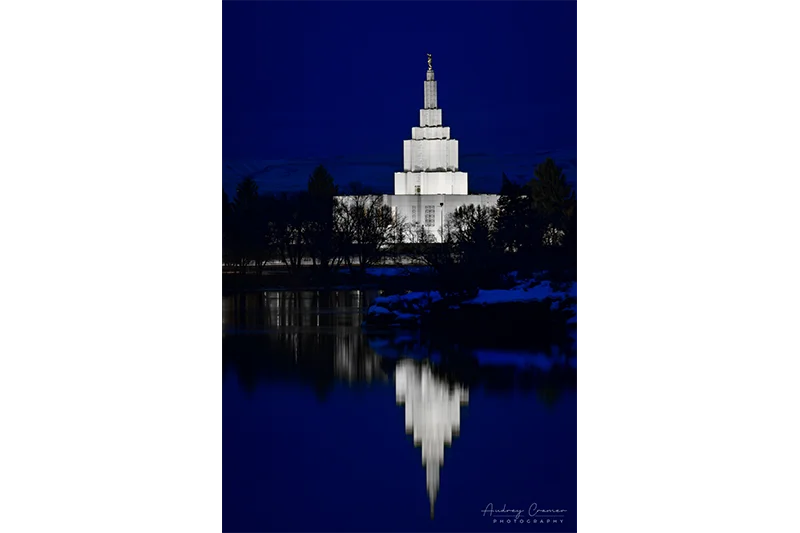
[313, 341]
[297, 315]
[263, 311]
[433, 415]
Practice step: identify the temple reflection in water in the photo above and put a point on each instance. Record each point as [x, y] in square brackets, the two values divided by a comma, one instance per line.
[353, 361]
[433, 415]
[279, 347]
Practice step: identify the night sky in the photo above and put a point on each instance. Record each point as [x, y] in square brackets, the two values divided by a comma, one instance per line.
[306, 80]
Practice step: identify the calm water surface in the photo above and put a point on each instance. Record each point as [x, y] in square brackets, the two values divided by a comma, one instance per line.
[326, 428]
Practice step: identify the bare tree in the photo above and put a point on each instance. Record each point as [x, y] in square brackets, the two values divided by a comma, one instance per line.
[367, 228]
[288, 228]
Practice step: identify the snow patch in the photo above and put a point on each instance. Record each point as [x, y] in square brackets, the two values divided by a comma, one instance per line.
[412, 299]
[528, 291]
[407, 317]
[378, 311]
[574, 318]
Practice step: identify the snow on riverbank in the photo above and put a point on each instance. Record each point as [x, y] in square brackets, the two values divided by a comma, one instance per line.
[409, 307]
[401, 309]
[412, 300]
[524, 292]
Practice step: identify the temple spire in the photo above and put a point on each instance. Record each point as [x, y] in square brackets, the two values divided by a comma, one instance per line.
[430, 88]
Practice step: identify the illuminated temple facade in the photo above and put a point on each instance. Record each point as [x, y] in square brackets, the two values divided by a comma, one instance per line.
[431, 186]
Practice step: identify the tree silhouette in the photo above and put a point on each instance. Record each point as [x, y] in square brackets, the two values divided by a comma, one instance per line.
[320, 183]
[223, 208]
[288, 227]
[246, 238]
[515, 221]
[318, 234]
[552, 198]
[574, 237]
[246, 194]
[440, 256]
[366, 227]
[473, 230]
[223, 221]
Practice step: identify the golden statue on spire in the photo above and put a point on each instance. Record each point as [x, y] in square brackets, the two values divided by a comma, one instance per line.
[430, 58]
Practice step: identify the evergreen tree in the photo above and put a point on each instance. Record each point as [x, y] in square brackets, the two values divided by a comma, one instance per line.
[319, 227]
[554, 207]
[246, 239]
[246, 194]
[223, 209]
[550, 194]
[223, 220]
[320, 183]
[515, 218]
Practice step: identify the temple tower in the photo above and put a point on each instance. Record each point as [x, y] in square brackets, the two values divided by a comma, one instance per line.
[430, 188]
[430, 157]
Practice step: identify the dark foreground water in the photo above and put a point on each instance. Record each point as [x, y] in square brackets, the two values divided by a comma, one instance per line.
[326, 428]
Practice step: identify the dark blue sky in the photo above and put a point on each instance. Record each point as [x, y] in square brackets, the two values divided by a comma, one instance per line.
[304, 79]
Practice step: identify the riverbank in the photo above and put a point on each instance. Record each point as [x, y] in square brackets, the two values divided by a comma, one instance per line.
[533, 314]
[389, 278]
[312, 334]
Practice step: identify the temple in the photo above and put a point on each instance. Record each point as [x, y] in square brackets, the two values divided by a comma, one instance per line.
[431, 186]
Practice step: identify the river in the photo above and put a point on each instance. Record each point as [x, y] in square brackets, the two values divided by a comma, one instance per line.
[328, 428]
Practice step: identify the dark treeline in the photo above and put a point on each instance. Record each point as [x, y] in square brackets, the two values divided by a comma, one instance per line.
[532, 228]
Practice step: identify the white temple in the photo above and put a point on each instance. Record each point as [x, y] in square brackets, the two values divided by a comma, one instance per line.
[431, 186]
[433, 415]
